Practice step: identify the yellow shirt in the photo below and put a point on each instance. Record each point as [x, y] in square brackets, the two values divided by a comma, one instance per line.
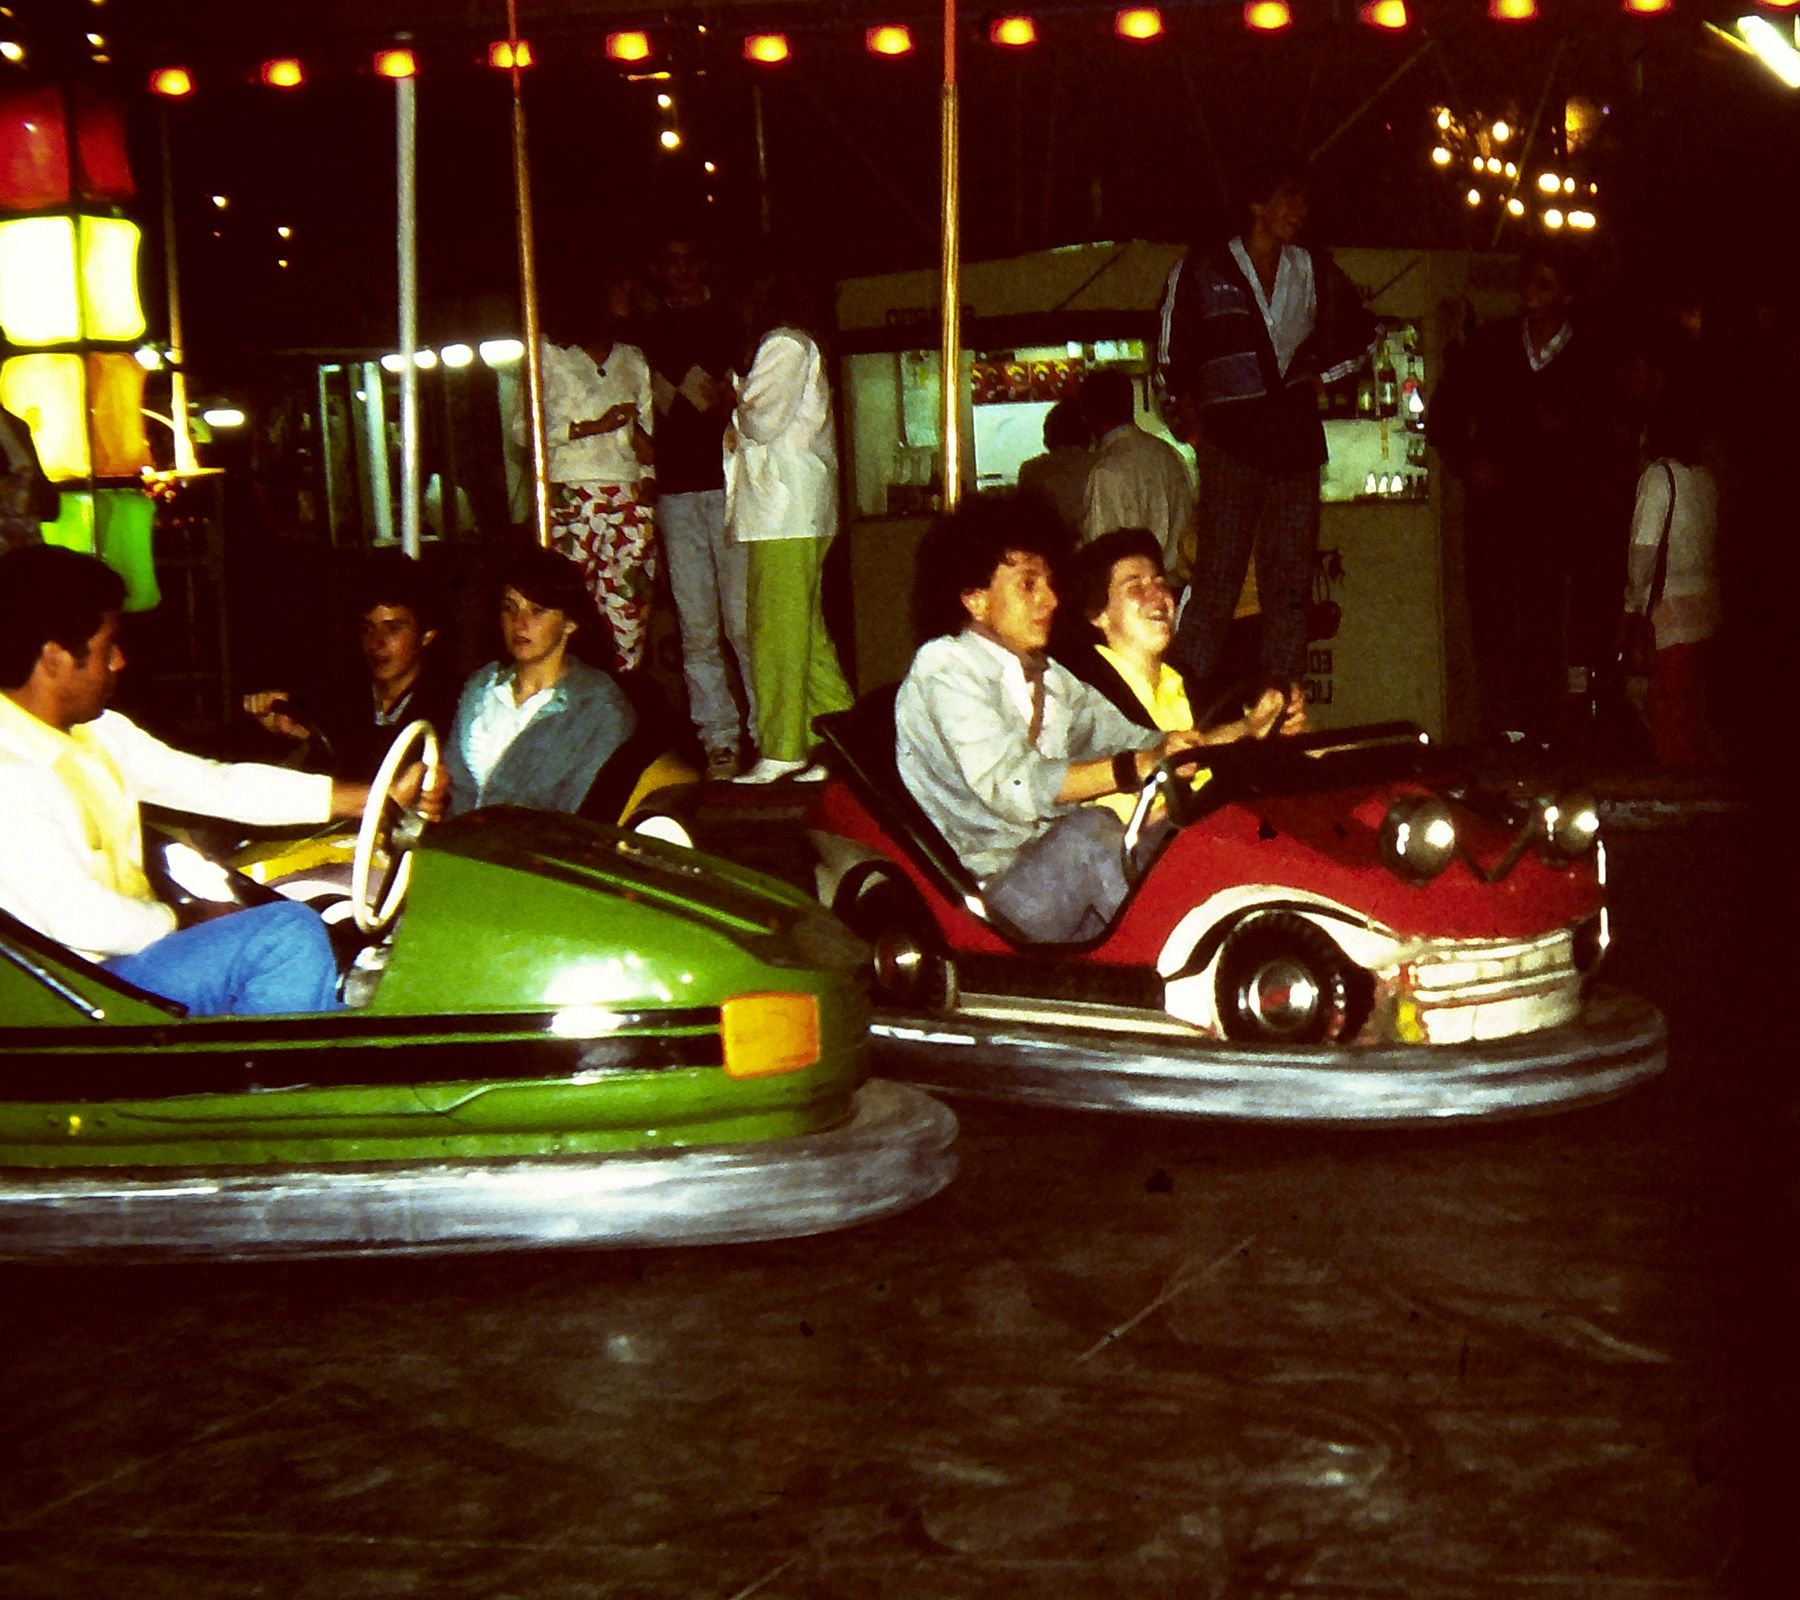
[1167, 702]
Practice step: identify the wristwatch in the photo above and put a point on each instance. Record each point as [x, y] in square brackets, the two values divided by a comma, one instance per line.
[1125, 772]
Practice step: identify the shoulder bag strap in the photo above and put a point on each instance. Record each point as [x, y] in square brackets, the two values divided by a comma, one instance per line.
[1662, 547]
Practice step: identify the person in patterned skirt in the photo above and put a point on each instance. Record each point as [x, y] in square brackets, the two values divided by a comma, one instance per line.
[598, 419]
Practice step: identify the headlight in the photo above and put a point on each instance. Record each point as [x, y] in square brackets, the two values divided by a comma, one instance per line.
[1570, 824]
[1418, 837]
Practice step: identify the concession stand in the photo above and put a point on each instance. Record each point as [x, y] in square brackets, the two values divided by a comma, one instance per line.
[1387, 613]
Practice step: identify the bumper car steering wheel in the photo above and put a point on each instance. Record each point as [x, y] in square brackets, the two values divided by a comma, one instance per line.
[390, 831]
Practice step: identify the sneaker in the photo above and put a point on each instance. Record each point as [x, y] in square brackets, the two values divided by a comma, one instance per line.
[768, 770]
[722, 762]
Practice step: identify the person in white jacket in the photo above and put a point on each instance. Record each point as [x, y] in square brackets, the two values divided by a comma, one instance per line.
[781, 503]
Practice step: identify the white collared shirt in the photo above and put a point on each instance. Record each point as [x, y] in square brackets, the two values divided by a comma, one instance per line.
[1540, 359]
[1292, 310]
[499, 720]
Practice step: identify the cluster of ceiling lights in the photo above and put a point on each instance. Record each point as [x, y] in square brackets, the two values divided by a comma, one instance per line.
[637, 47]
[1479, 154]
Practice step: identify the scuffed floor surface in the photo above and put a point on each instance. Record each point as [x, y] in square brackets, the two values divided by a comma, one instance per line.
[1117, 1357]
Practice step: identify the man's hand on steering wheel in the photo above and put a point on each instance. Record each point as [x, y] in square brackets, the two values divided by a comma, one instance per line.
[408, 791]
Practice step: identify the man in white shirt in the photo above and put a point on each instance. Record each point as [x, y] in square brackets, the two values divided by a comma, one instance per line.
[72, 774]
[1136, 480]
[1001, 747]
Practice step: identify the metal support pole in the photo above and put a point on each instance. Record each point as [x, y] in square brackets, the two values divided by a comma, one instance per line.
[185, 460]
[528, 296]
[406, 117]
[762, 157]
[950, 354]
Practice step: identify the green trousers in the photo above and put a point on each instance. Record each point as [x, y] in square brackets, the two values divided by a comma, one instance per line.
[792, 664]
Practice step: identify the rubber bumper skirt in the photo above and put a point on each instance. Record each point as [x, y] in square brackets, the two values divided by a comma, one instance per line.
[1618, 1042]
[894, 1152]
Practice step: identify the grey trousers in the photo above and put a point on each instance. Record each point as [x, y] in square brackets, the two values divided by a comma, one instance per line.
[708, 579]
[1066, 884]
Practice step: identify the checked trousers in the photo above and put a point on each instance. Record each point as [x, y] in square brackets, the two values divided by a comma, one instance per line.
[1244, 508]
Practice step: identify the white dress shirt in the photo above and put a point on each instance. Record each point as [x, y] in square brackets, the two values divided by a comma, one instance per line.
[71, 859]
[1292, 310]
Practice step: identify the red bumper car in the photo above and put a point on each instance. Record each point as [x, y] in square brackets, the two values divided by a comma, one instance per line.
[1340, 928]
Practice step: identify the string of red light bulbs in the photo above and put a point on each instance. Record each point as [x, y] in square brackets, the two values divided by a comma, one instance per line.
[1136, 24]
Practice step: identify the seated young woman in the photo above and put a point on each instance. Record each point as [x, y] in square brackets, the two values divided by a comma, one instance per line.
[1127, 612]
[533, 727]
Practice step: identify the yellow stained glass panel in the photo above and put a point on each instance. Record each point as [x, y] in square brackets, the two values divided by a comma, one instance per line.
[50, 392]
[38, 302]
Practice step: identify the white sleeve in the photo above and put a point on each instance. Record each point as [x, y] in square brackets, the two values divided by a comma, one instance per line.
[46, 881]
[773, 390]
[240, 791]
[645, 397]
[1646, 534]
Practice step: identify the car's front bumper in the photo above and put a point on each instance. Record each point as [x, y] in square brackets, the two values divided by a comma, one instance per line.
[1616, 1042]
[894, 1152]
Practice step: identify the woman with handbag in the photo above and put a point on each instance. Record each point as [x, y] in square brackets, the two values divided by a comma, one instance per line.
[1672, 595]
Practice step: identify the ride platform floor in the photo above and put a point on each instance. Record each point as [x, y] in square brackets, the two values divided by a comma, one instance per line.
[1118, 1356]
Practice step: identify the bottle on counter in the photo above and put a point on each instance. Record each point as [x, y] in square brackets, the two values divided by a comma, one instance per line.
[1412, 396]
[1387, 386]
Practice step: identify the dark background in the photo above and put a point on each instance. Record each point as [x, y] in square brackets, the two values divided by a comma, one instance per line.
[1084, 136]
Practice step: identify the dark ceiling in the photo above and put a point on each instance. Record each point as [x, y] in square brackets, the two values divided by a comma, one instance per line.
[1085, 136]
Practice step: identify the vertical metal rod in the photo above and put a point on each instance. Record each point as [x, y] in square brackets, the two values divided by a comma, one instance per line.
[325, 454]
[381, 497]
[406, 115]
[762, 155]
[950, 352]
[528, 295]
[185, 460]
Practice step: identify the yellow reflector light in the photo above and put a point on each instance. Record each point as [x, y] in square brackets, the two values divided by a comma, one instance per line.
[769, 1033]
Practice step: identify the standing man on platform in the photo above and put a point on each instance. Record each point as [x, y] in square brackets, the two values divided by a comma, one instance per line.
[693, 341]
[1252, 327]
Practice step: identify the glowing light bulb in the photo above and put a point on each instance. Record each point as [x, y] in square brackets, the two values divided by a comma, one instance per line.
[768, 49]
[1139, 23]
[891, 40]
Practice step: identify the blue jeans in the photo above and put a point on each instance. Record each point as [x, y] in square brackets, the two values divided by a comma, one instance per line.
[270, 960]
[709, 580]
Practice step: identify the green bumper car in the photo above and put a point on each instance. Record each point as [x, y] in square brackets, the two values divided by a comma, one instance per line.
[571, 1036]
